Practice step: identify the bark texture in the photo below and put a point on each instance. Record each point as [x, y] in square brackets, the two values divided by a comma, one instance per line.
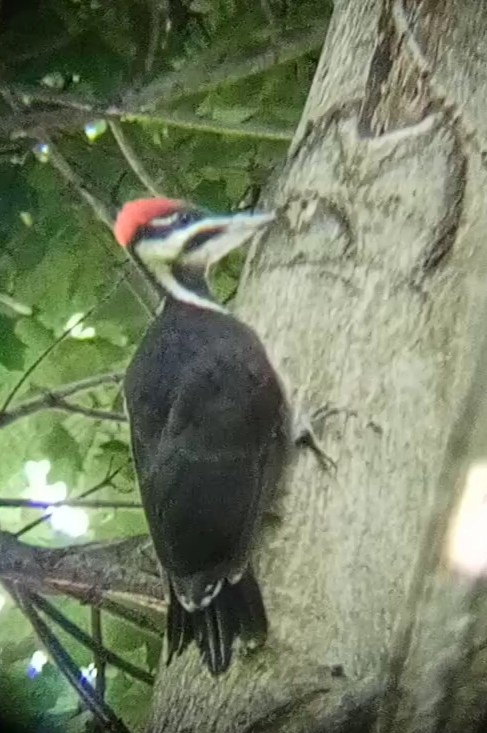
[126, 569]
[368, 293]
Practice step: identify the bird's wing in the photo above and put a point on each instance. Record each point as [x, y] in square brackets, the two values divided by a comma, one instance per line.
[206, 483]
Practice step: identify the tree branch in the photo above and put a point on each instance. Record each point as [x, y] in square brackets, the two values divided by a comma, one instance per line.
[20, 308]
[33, 123]
[51, 347]
[55, 400]
[158, 9]
[186, 121]
[99, 660]
[65, 663]
[40, 359]
[131, 158]
[28, 504]
[90, 412]
[105, 655]
[137, 618]
[59, 162]
[202, 77]
[197, 78]
[127, 569]
[102, 212]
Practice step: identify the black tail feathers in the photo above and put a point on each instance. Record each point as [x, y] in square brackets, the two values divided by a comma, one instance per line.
[238, 610]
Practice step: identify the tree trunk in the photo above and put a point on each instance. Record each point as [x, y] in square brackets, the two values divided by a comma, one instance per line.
[368, 293]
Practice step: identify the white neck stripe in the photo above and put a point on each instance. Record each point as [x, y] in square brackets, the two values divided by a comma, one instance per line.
[179, 292]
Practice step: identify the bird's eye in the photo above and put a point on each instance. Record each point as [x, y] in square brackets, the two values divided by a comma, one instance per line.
[187, 217]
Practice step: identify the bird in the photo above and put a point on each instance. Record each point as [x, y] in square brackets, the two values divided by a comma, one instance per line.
[210, 428]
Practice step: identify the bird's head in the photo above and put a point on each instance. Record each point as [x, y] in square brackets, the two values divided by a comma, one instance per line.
[168, 237]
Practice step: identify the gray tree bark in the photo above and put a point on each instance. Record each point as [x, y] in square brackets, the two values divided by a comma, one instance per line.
[369, 293]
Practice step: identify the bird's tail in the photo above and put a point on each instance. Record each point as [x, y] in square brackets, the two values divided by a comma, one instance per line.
[237, 610]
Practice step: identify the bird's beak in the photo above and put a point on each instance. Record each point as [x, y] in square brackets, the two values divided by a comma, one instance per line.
[231, 232]
[227, 233]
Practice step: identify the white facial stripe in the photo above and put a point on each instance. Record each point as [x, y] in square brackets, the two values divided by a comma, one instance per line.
[166, 221]
[178, 291]
[167, 249]
[158, 250]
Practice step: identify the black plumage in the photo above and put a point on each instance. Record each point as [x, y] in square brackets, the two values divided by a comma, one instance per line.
[210, 436]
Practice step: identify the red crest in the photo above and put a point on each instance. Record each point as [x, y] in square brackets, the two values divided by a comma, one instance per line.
[139, 213]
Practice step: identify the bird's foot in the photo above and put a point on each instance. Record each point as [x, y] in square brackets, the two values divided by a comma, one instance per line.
[305, 437]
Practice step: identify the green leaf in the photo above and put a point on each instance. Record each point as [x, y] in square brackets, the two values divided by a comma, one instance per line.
[124, 637]
[133, 704]
[233, 115]
[62, 450]
[16, 641]
[12, 349]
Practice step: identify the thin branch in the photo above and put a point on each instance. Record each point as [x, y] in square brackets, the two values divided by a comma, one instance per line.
[185, 121]
[107, 481]
[90, 412]
[47, 46]
[197, 78]
[158, 9]
[201, 77]
[102, 212]
[20, 308]
[137, 618]
[65, 663]
[41, 358]
[59, 162]
[73, 178]
[55, 400]
[27, 95]
[31, 124]
[85, 639]
[100, 662]
[269, 16]
[37, 123]
[28, 504]
[55, 343]
[132, 158]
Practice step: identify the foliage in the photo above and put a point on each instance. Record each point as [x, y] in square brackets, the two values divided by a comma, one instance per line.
[213, 139]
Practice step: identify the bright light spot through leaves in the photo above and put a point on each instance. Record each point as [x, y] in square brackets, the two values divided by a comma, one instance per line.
[38, 488]
[467, 545]
[3, 601]
[95, 129]
[78, 331]
[37, 662]
[26, 218]
[69, 520]
[41, 152]
[88, 674]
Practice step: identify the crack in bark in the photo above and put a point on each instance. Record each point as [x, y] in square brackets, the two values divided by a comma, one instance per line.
[398, 90]
[315, 131]
[448, 226]
[379, 72]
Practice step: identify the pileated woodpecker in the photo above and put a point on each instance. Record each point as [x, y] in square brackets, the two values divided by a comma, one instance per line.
[210, 428]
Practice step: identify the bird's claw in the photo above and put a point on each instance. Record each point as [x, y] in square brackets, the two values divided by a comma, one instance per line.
[305, 436]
